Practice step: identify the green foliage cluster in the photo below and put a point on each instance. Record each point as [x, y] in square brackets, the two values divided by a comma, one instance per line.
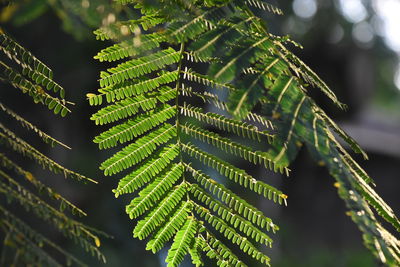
[176, 62]
[24, 245]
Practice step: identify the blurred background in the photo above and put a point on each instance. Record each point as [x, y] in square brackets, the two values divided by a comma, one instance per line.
[354, 45]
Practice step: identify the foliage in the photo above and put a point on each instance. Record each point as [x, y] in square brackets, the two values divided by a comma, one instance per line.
[23, 244]
[183, 58]
[78, 17]
[198, 86]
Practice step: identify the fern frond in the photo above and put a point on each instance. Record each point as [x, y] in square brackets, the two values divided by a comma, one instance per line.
[123, 109]
[11, 76]
[264, 6]
[348, 139]
[130, 48]
[22, 56]
[304, 123]
[206, 97]
[25, 72]
[244, 244]
[154, 191]
[260, 119]
[159, 214]
[351, 163]
[214, 248]
[221, 122]
[204, 49]
[192, 76]
[45, 137]
[129, 107]
[299, 67]
[243, 101]
[122, 28]
[138, 67]
[263, 88]
[195, 252]
[225, 144]
[46, 82]
[367, 191]
[64, 203]
[233, 173]
[139, 150]
[170, 228]
[224, 72]
[31, 66]
[66, 226]
[133, 91]
[11, 140]
[147, 171]
[132, 128]
[233, 201]
[214, 99]
[227, 216]
[181, 32]
[182, 242]
[125, 90]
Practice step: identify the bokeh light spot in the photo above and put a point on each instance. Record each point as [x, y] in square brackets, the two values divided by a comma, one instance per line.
[305, 9]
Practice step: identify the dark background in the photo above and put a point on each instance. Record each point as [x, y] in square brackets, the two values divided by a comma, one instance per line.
[314, 228]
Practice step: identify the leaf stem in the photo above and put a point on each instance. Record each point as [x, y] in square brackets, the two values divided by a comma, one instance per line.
[178, 128]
